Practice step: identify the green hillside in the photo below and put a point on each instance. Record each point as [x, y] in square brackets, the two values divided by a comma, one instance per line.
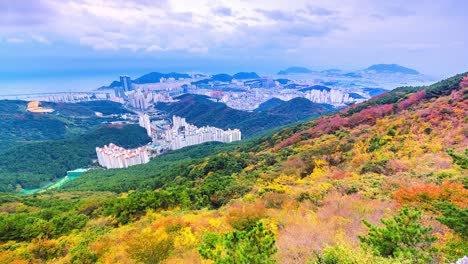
[30, 165]
[201, 111]
[18, 126]
[384, 184]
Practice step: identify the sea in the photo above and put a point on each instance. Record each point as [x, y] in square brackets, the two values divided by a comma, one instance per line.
[15, 87]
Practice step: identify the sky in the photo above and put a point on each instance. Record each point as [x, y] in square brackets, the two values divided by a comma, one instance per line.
[54, 39]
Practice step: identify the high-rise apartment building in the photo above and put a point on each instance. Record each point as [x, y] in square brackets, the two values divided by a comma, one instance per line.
[113, 156]
[183, 134]
[126, 83]
[144, 121]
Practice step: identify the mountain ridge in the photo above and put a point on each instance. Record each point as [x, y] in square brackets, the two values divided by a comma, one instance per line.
[201, 111]
[391, 68]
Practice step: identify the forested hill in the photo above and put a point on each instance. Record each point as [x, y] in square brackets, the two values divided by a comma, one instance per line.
[380, 182]
[18, 126]
[201, 111]
[29, 165]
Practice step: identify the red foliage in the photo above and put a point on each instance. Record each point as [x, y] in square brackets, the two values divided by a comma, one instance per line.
[414, 98]
[370, 114]
[464, 82]
[426, 193]
[327, 125]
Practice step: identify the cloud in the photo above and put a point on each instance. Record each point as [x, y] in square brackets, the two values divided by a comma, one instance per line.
[282, 29]
[319, 11]
[40, 39]
[277, 15]
[98, 43]
[154, 48]
[15, 40]
[222, 11]
[24, 13]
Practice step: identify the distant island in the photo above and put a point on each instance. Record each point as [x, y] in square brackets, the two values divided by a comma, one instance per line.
[245, 75]
[391, 68]
[294, 70]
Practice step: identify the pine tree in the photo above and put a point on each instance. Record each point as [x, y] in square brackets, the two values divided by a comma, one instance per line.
[253, 246]
[402, 235]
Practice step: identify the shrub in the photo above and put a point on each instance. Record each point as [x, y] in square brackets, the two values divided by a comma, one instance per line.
[459, 159]
[151, 247]
[454, 217]
[245, 217]
[47, 249]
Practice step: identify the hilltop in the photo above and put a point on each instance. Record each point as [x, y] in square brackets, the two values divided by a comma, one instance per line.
[155, 77]
[269, 104]
[296, 195]
[201, 111]
[245, 75]
[294, 70]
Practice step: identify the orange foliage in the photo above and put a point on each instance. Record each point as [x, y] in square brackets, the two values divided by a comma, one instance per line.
[426, 193]
[170, 224]
[242, 216]
[338, 175]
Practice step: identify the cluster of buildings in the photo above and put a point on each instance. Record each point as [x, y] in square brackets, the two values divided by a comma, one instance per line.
[329, 96]
[112, 156]
[183, 134]
[143, 99]
[68, 97]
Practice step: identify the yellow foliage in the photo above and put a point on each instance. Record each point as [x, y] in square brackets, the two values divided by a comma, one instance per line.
[320, 169]
[284, 179]
[250, 167]
[185, 239]
[274, 187]
[324, 186]
[214, 222]
[150, 247]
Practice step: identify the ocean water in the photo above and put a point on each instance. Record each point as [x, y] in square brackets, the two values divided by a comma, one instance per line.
[52, 85]
[18, 83]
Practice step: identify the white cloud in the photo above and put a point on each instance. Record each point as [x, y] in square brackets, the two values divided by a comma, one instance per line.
[15, 40]
[40, 39]
[98, 43]
[341, 31]
[154, 48]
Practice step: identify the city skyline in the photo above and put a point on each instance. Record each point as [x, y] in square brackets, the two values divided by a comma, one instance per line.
[47, 39]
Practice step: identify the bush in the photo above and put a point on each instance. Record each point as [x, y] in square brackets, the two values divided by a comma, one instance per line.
[47, 249]
[151, 247]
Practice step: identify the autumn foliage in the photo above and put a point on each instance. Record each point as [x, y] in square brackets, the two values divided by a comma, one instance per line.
[425, 194]
[297, 196]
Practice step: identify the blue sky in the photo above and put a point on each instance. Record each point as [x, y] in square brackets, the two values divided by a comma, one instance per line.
[56, 38]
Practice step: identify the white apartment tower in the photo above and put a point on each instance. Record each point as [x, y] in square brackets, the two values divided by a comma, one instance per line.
[113, 156]
[183, 134]
[144, 122]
